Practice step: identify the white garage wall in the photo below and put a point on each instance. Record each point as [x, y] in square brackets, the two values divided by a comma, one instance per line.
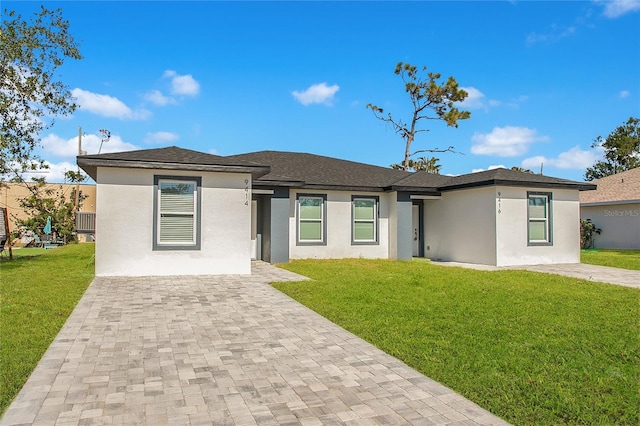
[620, 224]
[124, 226]
[460, 226]
[339, 229]
[511, 232]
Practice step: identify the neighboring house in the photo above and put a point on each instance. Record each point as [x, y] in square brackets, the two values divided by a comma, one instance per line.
[173, 211]
[615, 208]
[11, 194]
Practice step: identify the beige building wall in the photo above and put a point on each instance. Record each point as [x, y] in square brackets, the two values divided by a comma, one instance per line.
[620, 224]
[511, 231]
[338, 226]
[12, 193]
[124, 227]
[461, 226]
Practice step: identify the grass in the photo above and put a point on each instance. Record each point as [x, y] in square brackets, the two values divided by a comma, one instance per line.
[38, 291]
[625, 259]
[531, 348]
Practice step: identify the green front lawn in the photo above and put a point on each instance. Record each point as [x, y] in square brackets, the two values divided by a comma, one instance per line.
[625, 259]
[38, 290]
[531, 348]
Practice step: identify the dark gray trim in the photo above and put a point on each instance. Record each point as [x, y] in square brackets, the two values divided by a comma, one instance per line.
[376, 220]
[324, 220]
[549, 219]
[279, 226]
[403, 197]
[165, 247]
[416, 190]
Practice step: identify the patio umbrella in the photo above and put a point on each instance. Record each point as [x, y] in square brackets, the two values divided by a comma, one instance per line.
[47, 227]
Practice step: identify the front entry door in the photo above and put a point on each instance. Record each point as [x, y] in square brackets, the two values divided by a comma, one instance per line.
[415, 220]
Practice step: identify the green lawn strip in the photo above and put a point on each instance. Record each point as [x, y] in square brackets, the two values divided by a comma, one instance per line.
[625, 259]
[38, 291]
[531, 348]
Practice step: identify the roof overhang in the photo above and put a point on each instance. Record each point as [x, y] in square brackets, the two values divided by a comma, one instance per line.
[425, 197]
[609, 203]
[500, 182]
[90, 165]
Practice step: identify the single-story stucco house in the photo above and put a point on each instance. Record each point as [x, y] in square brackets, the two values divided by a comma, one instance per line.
[615, 208]
[172, 211]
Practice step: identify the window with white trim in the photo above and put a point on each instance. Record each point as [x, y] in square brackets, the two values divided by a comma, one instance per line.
[176, 213]
[364, 214]
[539, 218]
[311, 219]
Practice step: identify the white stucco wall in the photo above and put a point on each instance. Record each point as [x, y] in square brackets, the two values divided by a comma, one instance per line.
[460, 226]
[511, 231]
[124, 226]
[620, 224]
[338, 228]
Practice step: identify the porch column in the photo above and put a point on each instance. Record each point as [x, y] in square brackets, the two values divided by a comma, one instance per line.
[280, 226]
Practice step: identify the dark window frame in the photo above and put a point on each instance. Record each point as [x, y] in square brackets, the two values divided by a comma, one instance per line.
[323, 227]
[548, 221]
[196, 245]
[376, 220]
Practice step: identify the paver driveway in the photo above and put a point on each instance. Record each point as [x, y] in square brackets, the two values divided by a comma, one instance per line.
[221, 350]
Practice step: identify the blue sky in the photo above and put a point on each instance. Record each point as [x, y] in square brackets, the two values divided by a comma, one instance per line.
[544, 78]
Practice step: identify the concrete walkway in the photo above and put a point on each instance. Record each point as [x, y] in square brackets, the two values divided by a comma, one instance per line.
[603, 274]
[221, 350]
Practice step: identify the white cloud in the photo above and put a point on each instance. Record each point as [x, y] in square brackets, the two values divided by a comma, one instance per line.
[475, 98]
[107, 106]
[57, 147]
[624, 94]
[55, 172]
[554, 34]
[515, 103]
[182, 84]
[213, 151]
[161, 137]
[492, 167]
[317, 94]
[157, 98]
[575, 158]
[617, 8]
[506, 141]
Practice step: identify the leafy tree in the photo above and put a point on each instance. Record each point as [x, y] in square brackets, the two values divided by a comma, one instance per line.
[422, 164]
[30, 53]
[46, 200]
[588, 230]
[431, 101]
[621, 151]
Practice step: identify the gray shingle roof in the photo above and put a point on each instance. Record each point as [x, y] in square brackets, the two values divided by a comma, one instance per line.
[278, 168]
[171, 158]
[320, 171]
[511, 178]
[624, 186]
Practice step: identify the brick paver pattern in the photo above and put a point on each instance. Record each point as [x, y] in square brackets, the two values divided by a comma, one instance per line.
[222, 350]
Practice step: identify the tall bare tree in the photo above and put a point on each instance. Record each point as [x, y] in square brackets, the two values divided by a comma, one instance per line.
[431, 100]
